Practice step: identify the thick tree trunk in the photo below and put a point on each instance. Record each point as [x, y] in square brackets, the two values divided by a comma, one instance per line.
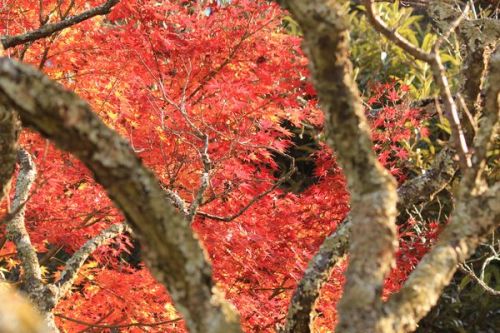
[373, 190]
[10, 127]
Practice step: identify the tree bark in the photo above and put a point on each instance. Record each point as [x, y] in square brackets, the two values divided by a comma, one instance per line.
[172, 251]
[373, 190]
[73, 265]
[10, 127]
[335, 247]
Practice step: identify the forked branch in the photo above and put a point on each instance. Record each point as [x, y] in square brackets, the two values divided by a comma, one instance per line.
[373, 190]
[73, 265]
[173, 252]
[16, 228]
[414, 191]
[477, 212]
[432, 58]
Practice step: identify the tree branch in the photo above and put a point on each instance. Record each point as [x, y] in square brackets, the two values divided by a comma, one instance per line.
[16, 228]
[467, 270]
[204, 179]
[434, 60]
[372, 189]
[471, 220]
[42, 296]
[17, 314]
[73, 265]
[414, 191]
[172, 251]
[49, 29]
[477, 212]
[253, 201]
[176, 200]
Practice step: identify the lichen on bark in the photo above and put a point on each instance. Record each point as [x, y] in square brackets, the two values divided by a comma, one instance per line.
[172, 250]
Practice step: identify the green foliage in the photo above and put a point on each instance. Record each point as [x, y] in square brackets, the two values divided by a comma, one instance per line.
[291, 26]
[378, 60]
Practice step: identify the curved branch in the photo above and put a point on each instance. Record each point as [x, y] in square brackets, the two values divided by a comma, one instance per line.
[49, 29]
[470, 222]
[73, 265]
[334, 248]
[172, 251]
[41, 295]
[470, 272]
[16, 228]
[477, 212]
[252, 201]
[438, 71]
[319, 269]
[372, 189]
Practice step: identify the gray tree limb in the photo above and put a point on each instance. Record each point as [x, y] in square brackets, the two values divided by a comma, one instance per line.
[172, 251]
[477, 212]
[40, 294]
[73, 265]
[10, 127]
[17, 314]
[16, 228]
[414, 191]
[48, 29]
[373, 190]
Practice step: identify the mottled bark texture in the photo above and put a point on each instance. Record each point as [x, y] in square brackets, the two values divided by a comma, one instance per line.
[477, 212]
[372, 189]
[325, 42]
[41, 296]
[73, 265]
[16, 229]
[301, 309]
[10, 127]
[172, 251]
[48, 29]
[18, 315]
[478, 39]
[414, 191]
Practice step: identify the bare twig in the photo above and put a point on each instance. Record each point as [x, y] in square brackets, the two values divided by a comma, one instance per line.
[467, 270]
[205, 179]
[434, 60]
[255, 199]
[48, 29]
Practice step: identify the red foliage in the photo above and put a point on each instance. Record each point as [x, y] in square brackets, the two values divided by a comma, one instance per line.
[156, 72]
